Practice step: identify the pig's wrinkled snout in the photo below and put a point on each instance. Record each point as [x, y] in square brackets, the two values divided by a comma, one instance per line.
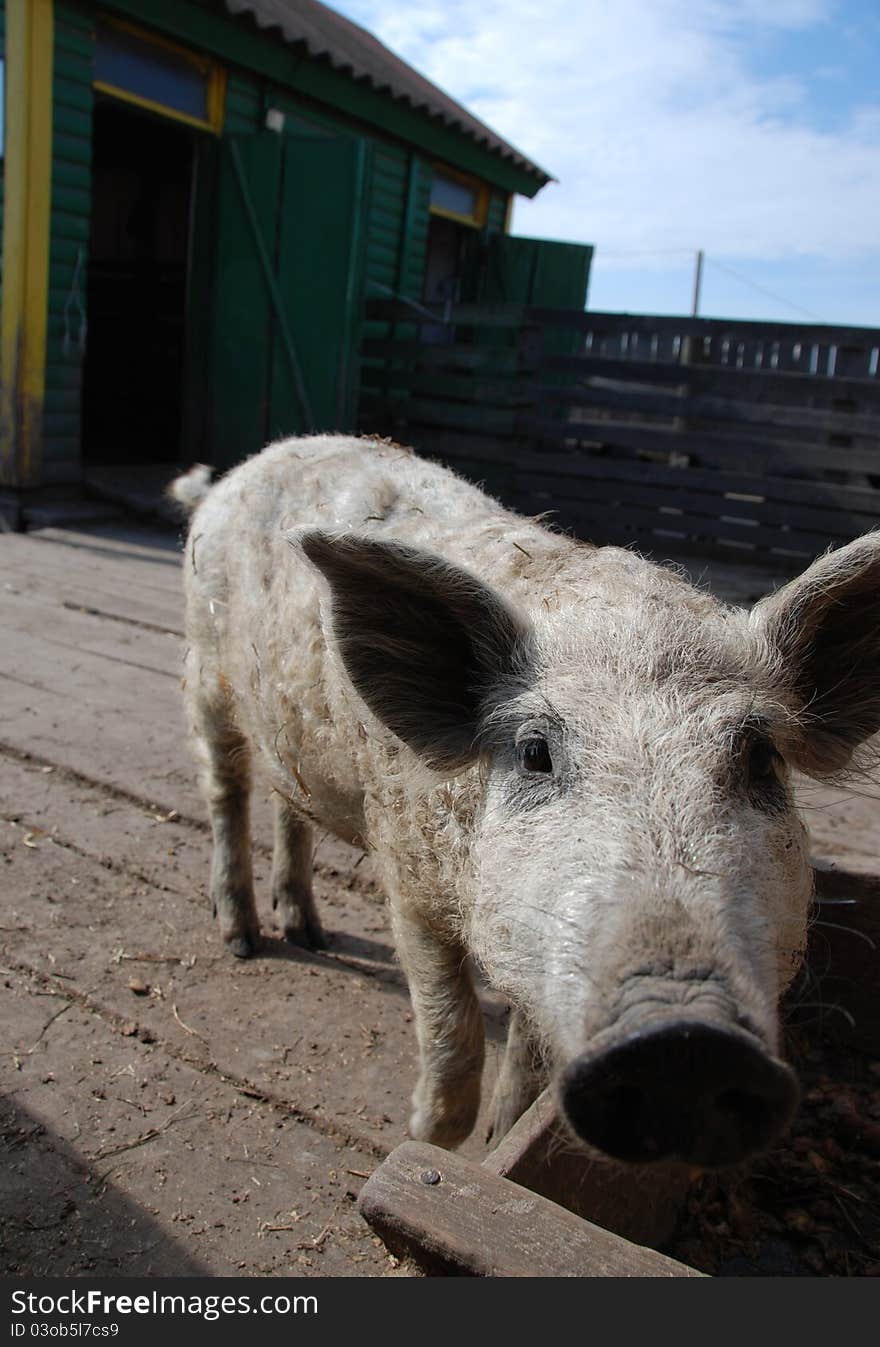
[698, 1093]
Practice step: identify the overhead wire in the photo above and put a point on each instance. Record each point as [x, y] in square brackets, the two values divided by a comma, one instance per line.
[762, 289]
[712, 262]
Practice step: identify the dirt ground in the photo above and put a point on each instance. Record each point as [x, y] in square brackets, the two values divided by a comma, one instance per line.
[167, 1110]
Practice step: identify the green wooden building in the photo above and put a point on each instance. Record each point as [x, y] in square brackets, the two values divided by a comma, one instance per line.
[199, 197]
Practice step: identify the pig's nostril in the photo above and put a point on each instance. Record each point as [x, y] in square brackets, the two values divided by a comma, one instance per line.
[680, 1090]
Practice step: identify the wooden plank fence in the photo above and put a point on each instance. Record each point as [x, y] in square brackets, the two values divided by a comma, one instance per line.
[759, 441]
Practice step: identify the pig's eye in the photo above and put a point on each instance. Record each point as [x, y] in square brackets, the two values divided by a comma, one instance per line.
[762, 761]
[533, 755]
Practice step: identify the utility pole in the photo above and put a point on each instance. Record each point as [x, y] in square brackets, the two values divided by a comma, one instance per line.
[698, 281]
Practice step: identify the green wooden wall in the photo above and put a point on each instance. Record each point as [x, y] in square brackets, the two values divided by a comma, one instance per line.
[304, 213]
[398, 194]
[251, 398]
[2, 54]
[69, 240]
[3, 51]
[394, 231]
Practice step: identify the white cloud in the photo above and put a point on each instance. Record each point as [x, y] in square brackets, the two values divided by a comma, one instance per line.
[650, 114]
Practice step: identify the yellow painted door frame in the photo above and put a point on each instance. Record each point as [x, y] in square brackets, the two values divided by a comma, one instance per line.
[26, 207]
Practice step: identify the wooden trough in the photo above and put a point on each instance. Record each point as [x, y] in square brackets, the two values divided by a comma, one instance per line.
[539, 1207]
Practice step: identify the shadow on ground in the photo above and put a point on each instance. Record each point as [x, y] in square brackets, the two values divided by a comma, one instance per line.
[62, 1217]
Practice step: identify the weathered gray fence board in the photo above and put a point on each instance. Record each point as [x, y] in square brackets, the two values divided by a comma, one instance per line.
[456, 356]
[761, 417]
[853, 339]
[483, 388]
[733, 331]
[566, 486]
[625, 519]
[651, 430]
[824, 495]
[608, 482]
[436, 412]
[493, 418]
[727, 380]
[701, 446]
[782, 526]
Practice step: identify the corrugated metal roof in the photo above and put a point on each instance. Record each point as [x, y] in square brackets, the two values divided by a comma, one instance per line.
[351, 48]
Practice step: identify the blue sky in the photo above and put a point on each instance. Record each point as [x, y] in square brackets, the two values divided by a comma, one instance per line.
[746, 128]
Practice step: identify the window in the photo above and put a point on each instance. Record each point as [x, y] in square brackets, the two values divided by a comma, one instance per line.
[156, 74]
[455, 196]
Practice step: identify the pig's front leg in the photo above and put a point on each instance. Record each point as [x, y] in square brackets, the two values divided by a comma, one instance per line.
[520, 1080]
[449, 1028]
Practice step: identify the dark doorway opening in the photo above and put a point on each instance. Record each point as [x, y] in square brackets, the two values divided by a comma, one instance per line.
[133, 390]
[453, 264]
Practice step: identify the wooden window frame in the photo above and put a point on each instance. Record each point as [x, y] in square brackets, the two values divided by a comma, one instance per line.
[480, 216]
[206, 65]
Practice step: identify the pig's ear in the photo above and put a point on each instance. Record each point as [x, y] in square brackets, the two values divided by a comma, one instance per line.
[421, 640]
[824, 630]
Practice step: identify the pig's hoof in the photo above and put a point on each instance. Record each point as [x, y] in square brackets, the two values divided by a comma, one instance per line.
[447, 1129]
[242, 946]
[497, 1130]
[308, 935]
[503, 1116]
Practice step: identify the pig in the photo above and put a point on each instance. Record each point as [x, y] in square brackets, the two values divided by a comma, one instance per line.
[567, 762]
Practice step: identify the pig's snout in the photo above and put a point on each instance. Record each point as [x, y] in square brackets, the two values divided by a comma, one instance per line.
[682, 1090]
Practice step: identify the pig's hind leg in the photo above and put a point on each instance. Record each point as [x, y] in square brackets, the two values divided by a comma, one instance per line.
[292, 896]
[224, 756]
